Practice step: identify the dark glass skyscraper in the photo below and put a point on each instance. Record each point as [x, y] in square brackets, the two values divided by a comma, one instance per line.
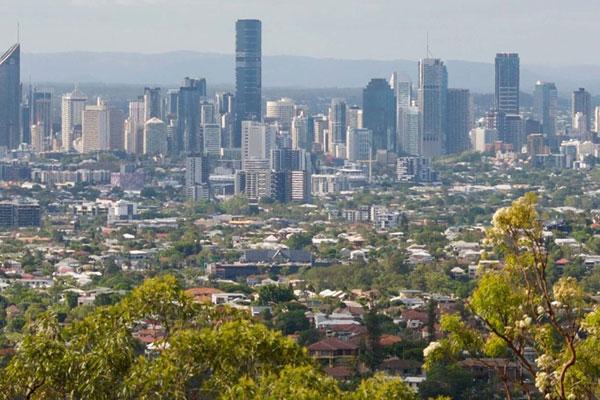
[10, 97]
[379, 114]
[248, 74]
[188, 116]
[545, 104]
[458, 121]
[582, 103]
[506, 96]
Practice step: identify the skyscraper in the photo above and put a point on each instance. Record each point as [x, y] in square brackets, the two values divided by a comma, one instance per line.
[280, 111]
[433, 88]
[96, 134]
[545, 104]
[458, 120]
[152, 103]
[248, 74]
[10, 97]
[116, 118]
[257, 141]
[506, 95]
[188, 138]
[41, 111]
[582, 103]
[134, 127]
[379, 114]
[155, 137]
[300, 136]
[358, 144]
[337, 124]
[71, 119]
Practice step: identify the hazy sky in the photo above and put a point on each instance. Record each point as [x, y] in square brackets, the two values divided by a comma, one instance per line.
[542, 31]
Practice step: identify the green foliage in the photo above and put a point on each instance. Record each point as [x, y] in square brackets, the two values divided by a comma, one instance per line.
[275, 294]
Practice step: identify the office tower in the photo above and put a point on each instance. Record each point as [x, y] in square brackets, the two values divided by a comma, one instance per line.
[10, 97]
[155, 137]
[116, 118]
[300, 137]
[458, 120]
[41, 111]
[545, 105]
[248, 74]
[188, 138]
[134, 127]
[286, 159]
[207, 113]
[433, 88]
[404, 94]
[172, 101]
[95, 135]
[224, 102]
[535, 144]
[319, 123]
[280, 111]
[71, 119]
[300, 186]
[211, 134]
[597, 118]
[337, 125]
[582, 103]
[196, 178]
[25, 122]
[257, 141]
[152, 103]
[354, 117]
[506, 95]
[379, 114]
[358, 144]
[410, 135]
[38, 139]
[483, 139]
[513, 131]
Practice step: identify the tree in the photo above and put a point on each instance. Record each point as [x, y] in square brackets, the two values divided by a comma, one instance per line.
[519, 309]
[275, 294]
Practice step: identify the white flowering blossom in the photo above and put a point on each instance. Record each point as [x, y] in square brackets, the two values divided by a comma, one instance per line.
[433, 346]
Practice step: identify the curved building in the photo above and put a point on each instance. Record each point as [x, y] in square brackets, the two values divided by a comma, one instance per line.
[10, 97]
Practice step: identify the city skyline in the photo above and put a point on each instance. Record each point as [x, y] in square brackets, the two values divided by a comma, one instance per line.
[349, 33]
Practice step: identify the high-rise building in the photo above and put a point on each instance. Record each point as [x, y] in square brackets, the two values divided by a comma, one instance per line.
[38, 142]
[196, 178]
[513, 131]
[319, 123]
[379, 114]
[458, 120]
[134, 127]
[117, 128]
[300, 137]
[410, 135]
[257, 141]
[41, 111]
[482, 139]
[95, 135]
[207, 113]
[248, 74]
[433, 87]
[354, 117]
[506, 95]
[280, 111]
[545, 105]
[404, 94]
[597, 119]
[152, 103]
[211, 134]
[71, 119]
[358, 144]
[582, 103]
[337, 124]
[188, 138]
[10, 97]
[155, 137]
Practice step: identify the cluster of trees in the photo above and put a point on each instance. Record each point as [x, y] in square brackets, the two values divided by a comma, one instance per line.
[204, 353]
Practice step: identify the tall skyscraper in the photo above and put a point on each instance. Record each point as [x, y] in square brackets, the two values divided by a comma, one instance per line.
[506, 95]
[354, 117]
[545, 104]
[379, 114]
[41, 111]
[257, 141]
[188, 138]
[358, 144]
[299, 132]
[211, 134]
[433, 88]
[280, 111]
[248, 74]
[152, 103]
[410, 138]
[582, 103]
[10, 97]
[38, 142]
[96, 134]
[71, 119]
[117, 128]
[155, 137]
[458, 120]
[134, 127]
[337, 124]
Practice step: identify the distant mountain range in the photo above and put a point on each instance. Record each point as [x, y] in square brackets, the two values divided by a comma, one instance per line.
[279, 71]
